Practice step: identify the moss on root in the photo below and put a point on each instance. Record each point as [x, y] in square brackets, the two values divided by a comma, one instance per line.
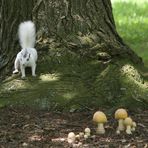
[67, 81]
[122, 85]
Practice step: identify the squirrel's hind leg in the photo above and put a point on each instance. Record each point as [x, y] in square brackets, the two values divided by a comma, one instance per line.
[33, 68]
[22, 71]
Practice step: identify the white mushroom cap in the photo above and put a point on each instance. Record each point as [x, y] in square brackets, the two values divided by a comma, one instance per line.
[71, 138]
[87, 130]
[81, 134]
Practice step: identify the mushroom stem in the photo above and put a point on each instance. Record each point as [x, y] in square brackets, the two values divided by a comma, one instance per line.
[128, 129]
[121, 126]
[100, 128]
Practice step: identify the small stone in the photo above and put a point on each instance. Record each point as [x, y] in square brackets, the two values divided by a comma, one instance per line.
[123, 140]
[24, 144]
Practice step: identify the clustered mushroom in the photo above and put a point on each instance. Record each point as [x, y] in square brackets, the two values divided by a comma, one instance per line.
[120, 115]
[72, 138]
[124, 123]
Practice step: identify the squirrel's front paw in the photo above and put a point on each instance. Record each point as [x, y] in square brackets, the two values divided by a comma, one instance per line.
[23, 77]
[15, 71]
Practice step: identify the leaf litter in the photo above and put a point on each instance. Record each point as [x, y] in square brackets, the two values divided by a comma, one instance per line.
[30, 128]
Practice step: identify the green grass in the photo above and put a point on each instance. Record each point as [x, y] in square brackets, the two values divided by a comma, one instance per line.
[131, 18]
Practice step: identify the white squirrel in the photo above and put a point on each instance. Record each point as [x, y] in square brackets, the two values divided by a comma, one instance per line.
[27, 57]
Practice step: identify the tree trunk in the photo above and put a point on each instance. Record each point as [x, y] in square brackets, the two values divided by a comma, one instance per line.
[85, 26]
[73, 34]
[12, 12]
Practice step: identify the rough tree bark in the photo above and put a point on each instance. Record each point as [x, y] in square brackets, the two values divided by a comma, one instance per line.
[83, 27]
[66, 20]
[86, 24]
[11, 14]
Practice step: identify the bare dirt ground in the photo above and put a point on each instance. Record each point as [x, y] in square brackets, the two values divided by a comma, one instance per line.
[24, 127]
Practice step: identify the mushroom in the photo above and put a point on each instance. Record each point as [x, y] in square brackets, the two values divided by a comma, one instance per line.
[81, 134]
[118, 131]
[100, 118]
[134, 126]
[86, 137]
[128, 122]
[87, 131]
[71, 138]
[120, 115]
[78, 137]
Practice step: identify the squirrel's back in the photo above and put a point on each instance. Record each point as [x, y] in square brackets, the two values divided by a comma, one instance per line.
[27, 34]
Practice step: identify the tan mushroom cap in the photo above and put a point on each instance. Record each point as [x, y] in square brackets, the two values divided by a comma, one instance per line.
[121, 114]
[128, 121]
[99, 117]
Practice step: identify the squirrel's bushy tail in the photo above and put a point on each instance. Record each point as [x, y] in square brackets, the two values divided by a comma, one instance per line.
[27, 34]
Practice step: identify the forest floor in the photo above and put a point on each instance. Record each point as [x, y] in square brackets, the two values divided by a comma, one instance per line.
[30, 128]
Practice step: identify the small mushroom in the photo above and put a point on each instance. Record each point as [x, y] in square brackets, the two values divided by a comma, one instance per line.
[86, 137]
[118, 131]
[78, 137]
[71, 138]
[134, 126]
[81, 134]
[87, 131]
[100, 118]
[128, 123]
[120, 115]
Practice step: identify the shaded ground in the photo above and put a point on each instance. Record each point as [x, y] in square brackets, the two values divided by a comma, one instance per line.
[36, 129]
[70, 81]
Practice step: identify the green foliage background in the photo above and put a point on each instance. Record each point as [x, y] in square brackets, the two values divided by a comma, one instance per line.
[131, 18]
